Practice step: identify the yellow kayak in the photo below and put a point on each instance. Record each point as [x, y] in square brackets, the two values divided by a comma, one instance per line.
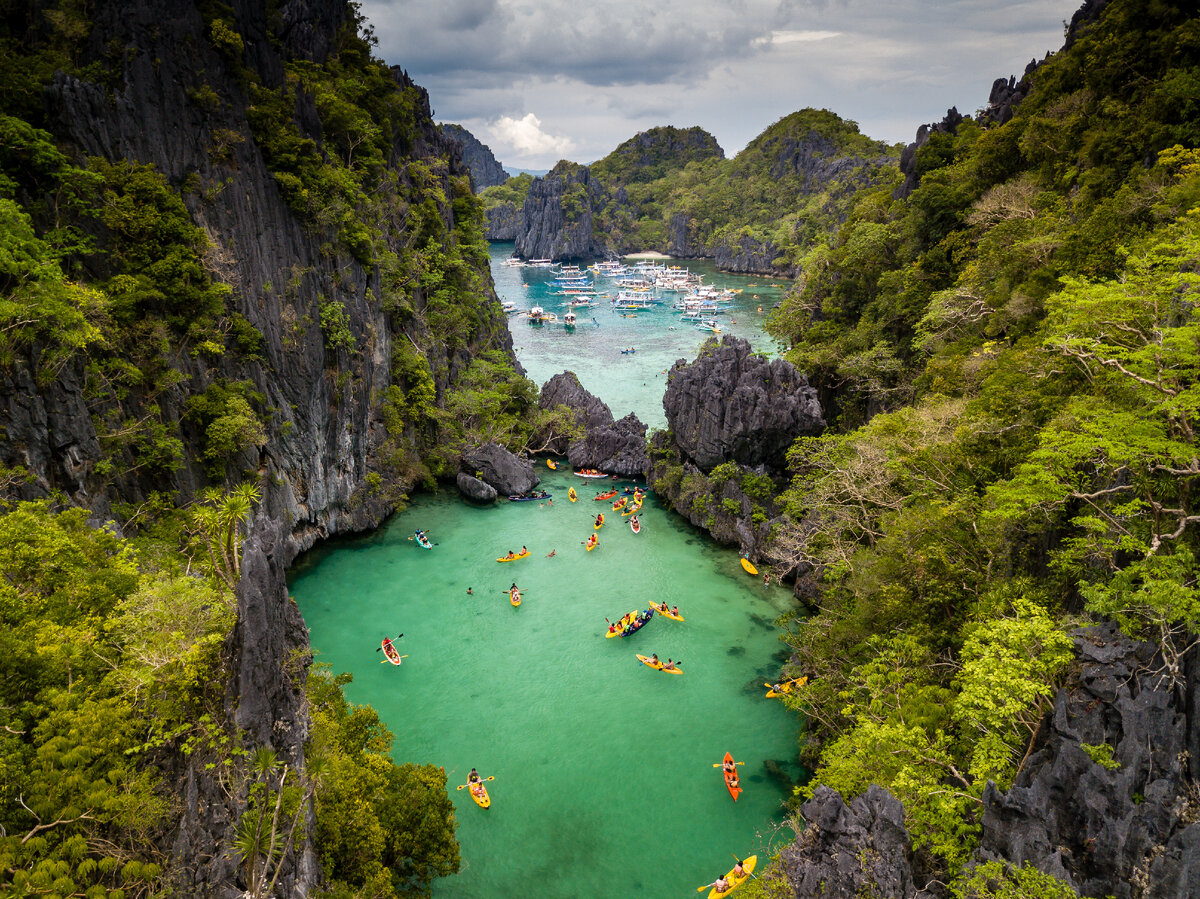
[513, 558]
[631, 510]
[599, 522]
[650, 663]
[785, 687]
[665, 611]
[734, 882]
[551, 464]
[749, 568]
[572, 495]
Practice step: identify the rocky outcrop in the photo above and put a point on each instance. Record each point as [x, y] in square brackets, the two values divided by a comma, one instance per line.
[617, 447]
[732, 405]
[851, 850]
[503, 222]
[556, 219]
[474, 489]
[1107, 802]
[1124, 829]
[477, 157]
[497, 467]
[589, 410]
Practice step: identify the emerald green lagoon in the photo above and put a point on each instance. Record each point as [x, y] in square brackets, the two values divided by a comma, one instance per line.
[604, 778]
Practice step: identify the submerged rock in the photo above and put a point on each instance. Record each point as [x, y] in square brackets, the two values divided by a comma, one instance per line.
[497, 467]
[733, 405]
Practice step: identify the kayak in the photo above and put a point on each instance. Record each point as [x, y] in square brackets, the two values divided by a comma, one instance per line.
[551, 464]
[514, 596]
[749, 568]
[734, 882]
[523, 498]
[514, 558]
[423, 541]
[635, 525]
[572, 495]
[630, 624]
[600, 497]
[389, 650]
[599, 522]
[590, 473]
[632, 510]
[619, 503]
[591, 542]
[665, 611]
[650, 663]
[731, 778]
[785, 687]
[482, 799]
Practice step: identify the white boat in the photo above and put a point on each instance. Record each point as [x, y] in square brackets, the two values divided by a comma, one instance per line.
[710, 325]
[514, 261]
[509, 307]
[569, 319]
[540, 263]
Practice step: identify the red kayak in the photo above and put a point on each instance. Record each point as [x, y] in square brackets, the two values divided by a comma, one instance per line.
[731, 777]
[603, 496]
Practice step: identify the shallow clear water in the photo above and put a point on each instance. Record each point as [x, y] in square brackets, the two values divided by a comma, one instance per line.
[627, 382]
[604, 779]
[604, 768]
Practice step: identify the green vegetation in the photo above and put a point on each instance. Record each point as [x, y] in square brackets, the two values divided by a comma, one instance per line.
[1010, 357]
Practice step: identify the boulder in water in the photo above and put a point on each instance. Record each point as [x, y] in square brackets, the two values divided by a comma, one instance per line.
[496, 466]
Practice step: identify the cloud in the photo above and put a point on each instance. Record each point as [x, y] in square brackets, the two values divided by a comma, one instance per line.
[599, 73]
[526, 137]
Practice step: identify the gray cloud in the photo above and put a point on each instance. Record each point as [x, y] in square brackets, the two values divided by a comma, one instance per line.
[593, 76]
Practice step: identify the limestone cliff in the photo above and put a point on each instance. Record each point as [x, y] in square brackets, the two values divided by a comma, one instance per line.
[327, 324]
[477, 156]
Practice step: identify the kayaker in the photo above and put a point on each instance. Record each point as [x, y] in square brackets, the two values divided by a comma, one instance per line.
[470, 591]
[634, 520]
[600, 519]
[670, 666]
[721, 885]
[513, 587]
[524, 551]
[473, 777]
[654, 658]
[674, 609]
[738, 871]
[511, 555]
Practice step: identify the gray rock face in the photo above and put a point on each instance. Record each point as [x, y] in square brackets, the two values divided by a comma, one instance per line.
[503, 222]
[1125, 832]
[476, 156]
[496, 466]
[618, 448]
[590, 411]
[474, 489]
[848, 851]
[556, 219]
[732, 405]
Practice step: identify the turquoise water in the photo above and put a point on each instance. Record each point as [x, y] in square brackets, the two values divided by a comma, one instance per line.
[627, 382]
[604, 779]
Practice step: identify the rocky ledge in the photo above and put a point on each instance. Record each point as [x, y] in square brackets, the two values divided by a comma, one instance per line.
[733, 405]
[1107, 802]
[616, 447]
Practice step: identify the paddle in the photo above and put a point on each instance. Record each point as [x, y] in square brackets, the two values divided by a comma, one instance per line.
[385, 661]
[719, 764]
[489, 777]
[380, 646]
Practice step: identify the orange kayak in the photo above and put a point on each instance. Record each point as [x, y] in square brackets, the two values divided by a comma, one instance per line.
[731, 777]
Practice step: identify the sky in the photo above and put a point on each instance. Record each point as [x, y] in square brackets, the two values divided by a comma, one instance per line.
[543, 80]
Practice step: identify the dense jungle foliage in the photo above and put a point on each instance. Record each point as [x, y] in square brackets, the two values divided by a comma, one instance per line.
[115, 666]
[791, 184]
[1011, 354]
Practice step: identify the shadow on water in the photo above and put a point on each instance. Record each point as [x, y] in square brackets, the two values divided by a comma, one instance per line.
[736, 651]
[763, 621]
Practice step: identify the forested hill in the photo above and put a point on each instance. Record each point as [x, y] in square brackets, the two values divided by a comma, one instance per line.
[1009, 354]
[244, 305]
[672, 190]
